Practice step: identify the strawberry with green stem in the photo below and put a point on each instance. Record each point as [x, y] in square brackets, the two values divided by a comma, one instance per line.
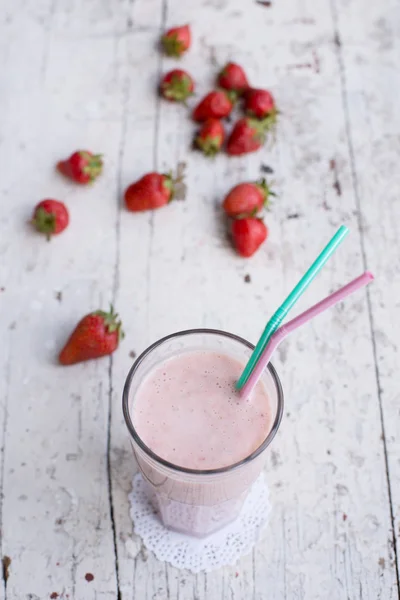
[248, 135]
[260, 104]
[50, 217]
[97, 334]
[210, 137]
[82, 166]
[176, 41]
[215, 105]
[154, 190]
[247, 199]
[233, 77]
[177, 85]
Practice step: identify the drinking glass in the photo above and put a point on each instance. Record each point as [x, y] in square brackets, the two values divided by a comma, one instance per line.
[192, 501]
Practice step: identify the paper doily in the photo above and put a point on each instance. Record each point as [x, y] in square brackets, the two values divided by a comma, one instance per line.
[224, 547]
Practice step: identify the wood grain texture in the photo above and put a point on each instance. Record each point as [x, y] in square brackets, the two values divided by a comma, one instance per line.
[371, 78]
[87, 75]
[55, 510]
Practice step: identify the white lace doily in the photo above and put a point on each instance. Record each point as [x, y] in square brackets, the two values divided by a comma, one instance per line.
[224, 547]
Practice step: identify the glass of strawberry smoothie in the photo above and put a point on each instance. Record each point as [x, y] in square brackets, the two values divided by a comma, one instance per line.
[199, 446]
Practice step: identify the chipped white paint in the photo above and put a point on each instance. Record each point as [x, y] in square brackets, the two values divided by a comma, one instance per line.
[84, 74]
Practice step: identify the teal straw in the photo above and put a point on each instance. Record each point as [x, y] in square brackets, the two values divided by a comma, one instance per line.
[294, 295]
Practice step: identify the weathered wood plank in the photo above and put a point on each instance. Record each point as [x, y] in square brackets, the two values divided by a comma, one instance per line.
[137, 155]
[368, 50]
[63, 90]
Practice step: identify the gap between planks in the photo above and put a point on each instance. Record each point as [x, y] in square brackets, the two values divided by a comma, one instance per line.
[4, 572]
[115, 283]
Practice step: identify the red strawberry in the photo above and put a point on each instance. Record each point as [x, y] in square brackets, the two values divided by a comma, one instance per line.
[82, 166]
[260, 104]
[177, 85]
[248, 135]
[246, 199]
[96, 335]
[177, 40]
[232, 77]
[248, 235]
[50, 217]
[215, 105]
[210, 137]
[151, 191]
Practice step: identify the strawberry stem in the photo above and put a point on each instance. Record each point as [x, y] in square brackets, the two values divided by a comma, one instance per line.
[177, 89]
[270, 120]
[176, 184]
[44, 222]
[232, 96]
[94, 165]
[263, 185]
[111, 321]
[173, 46]
[209, 146]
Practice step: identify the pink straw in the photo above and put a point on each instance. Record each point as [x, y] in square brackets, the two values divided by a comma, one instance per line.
[304, 317]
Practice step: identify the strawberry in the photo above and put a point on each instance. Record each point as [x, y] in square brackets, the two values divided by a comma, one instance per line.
[260, 104]
[232, 77]
[177, 40]
[82, 166]
[246, 199]
[177, 85]
[96, 335]
[248, 135]
[50, 217]
[210, 137]
[217, 105]
[248, 235]
[151, 191]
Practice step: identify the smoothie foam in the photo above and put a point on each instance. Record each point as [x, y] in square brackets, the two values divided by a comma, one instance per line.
[188, 412]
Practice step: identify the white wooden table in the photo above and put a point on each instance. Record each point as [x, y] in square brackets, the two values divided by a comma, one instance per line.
[83, 75]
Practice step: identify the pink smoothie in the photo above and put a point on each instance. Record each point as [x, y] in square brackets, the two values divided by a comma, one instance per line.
[188, 412]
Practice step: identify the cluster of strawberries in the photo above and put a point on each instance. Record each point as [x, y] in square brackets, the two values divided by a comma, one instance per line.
[51, 216]
[243, 205]
[249, 132]
[99, 333]
[154, 190]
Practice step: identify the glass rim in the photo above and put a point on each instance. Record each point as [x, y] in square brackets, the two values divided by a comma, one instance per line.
[177, 468]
